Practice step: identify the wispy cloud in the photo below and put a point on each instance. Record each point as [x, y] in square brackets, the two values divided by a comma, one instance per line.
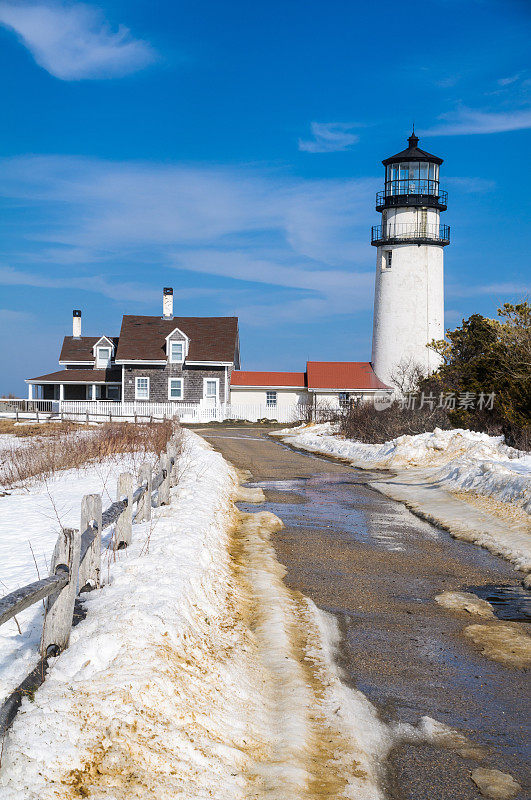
[463, 121]
[509, 80]
[305, 242]
[330, 137]
[129, 291]
[470, 185]
[497, 290]
[74, 41]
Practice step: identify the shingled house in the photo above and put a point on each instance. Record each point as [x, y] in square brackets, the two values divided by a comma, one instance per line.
[154, 359]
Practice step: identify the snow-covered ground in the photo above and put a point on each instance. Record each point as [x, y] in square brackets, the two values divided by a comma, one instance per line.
[30, 521]
[197, 673]
[472, 483]
[183, 681]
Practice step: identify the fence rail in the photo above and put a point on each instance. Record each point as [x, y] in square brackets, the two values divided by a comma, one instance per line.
[109, 410]
[12, 405]
[76, 561]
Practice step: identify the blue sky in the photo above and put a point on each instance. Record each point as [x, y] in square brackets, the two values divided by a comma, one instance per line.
[232, 150]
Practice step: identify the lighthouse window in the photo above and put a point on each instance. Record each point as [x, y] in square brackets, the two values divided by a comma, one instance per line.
[388, 258]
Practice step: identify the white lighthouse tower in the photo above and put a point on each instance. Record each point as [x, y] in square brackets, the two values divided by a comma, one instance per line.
[409, 293]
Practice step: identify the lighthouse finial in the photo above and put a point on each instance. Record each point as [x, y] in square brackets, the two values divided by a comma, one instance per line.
[413, 140]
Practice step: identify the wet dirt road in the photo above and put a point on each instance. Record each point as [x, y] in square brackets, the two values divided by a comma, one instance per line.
[377, 567]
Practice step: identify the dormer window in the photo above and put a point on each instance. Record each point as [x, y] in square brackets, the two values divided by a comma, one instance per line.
[176, 352]
[103, 357]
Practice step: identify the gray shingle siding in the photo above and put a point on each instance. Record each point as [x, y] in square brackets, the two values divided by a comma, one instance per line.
[158, 381]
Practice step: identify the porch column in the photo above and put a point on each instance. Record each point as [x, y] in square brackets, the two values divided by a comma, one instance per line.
[61, 392]
[93, 392]
[30, 391]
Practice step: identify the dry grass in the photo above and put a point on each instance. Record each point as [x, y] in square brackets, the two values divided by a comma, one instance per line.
[23, 430]
[68, 446]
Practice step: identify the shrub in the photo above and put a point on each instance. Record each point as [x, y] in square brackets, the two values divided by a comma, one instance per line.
[364, 423]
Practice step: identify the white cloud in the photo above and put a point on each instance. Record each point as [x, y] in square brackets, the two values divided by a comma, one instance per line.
[74, 41]
[509, 80]
[330, 137]
[498, 290]
[465, 121]
[470, 185]
[306, 242]
[130, 291]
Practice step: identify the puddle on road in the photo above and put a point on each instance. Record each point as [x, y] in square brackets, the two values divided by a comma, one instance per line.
[511, 603]
[329, 505]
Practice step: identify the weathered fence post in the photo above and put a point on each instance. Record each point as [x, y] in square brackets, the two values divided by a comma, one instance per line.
[89, 568]
[144, 504]
[60, 605]
[164, 488]
[172, 453]
[16, 415]
[87, 417]
[124, 524]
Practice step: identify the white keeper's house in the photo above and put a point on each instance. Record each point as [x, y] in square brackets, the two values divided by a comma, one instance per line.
[190, 366]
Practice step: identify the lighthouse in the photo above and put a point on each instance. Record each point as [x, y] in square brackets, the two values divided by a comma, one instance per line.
[410, 242]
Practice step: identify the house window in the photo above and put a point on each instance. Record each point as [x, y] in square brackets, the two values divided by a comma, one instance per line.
[271, 399]
[103, 357]
[176, 352]
[175, 389]
[113, 392]
[211, 389]
[344, 399]
[141, 388]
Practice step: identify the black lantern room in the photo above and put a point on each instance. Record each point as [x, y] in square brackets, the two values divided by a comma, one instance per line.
[412, 179]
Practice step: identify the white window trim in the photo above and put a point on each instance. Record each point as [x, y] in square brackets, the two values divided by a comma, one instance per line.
[185, 338]
[275, 403]
[169, 389]
[177, 360]
[105, 341]
[142, 377]
[208, 397]
[100, 363]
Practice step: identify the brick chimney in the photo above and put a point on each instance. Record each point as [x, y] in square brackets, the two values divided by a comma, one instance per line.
[76, 323]
[167, 303]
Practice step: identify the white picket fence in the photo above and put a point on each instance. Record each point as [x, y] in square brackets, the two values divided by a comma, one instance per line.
[138, 411]
[185, 412]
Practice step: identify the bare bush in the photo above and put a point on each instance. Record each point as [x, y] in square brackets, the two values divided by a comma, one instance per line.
[365, 424]
[72, 448]
[407, 375]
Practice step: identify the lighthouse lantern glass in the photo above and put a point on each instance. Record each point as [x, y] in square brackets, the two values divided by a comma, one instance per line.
[412, 177]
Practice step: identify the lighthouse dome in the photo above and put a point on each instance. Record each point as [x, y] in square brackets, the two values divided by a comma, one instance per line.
[413, 153]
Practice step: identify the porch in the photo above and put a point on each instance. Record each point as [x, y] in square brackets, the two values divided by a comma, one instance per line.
[77, 384]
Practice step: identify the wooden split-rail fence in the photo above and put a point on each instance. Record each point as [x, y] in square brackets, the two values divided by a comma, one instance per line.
[76, 563]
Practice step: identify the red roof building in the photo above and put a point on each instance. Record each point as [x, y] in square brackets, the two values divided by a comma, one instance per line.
[270, 380]
[345, 376]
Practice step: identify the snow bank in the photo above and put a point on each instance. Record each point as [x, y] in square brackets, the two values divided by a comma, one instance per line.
[471, 483]
[30, 521]
[197, 673]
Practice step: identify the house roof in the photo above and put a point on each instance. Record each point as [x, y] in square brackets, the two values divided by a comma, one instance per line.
[211, 338]
[80, 376]
[342, 375]
[413, 153]
[80, 349]
[273, 379]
